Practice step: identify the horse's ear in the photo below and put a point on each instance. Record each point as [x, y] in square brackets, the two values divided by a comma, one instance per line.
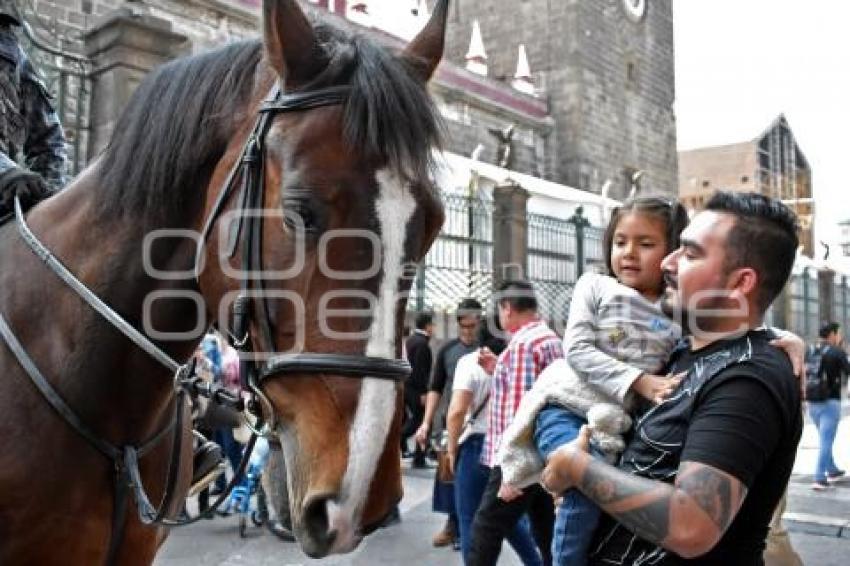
[291, 46]
[426, 49]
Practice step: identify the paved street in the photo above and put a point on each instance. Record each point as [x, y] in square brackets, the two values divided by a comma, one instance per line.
[819, 524]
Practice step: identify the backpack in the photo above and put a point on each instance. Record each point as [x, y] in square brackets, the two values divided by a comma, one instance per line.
[817, 387]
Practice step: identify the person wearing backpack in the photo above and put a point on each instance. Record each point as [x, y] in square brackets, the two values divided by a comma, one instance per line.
[826, 363]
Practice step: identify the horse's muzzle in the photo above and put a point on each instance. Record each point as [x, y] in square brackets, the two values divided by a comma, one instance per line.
[326, 528]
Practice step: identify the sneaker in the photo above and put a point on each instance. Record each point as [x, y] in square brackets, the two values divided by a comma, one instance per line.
[820, 485]
[835, 476]
[207, 465]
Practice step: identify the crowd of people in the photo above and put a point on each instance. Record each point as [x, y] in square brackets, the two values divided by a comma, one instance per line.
[661, 428]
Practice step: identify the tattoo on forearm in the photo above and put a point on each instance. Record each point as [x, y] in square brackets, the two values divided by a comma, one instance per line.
[639, 504]
[716, 493]
[644, 506]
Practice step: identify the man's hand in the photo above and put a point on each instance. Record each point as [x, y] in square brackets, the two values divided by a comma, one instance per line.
[558, 470]
[422, 435]
[487, 360]
[508, 493]
[452, 456]
[656, 388]
[29, 187]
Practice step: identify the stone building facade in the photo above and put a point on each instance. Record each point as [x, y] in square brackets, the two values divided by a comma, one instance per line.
[606, 69]
[601, 104]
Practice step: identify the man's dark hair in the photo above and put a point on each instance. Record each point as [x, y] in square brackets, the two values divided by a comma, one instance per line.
[519, 294]
[763, 237]
[468, 307]
[423, 319]
[828, 329]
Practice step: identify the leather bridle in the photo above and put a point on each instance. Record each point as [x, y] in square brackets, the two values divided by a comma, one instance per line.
[249, 305]
[251, 165]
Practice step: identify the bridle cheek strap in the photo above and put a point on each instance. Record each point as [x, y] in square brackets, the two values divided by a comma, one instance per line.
[251, 303]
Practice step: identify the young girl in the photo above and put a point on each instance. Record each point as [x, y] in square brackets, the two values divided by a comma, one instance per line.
[616, 339]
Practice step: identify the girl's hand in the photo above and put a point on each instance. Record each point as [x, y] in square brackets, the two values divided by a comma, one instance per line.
[795, 348]
[656, 388]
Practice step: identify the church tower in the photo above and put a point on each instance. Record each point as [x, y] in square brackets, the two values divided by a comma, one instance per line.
[606, 69]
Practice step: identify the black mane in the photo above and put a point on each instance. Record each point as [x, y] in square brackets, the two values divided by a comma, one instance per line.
[173, 131]
[180, 119]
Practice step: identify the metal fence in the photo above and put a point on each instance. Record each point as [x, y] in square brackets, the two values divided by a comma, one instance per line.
[804, 297]
[841, 301]
[460, 263]
[552, 261]
[66, 75]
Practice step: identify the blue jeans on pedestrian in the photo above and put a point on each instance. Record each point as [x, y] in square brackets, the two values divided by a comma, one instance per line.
[470, 480]
[577, 516]
[825, 415]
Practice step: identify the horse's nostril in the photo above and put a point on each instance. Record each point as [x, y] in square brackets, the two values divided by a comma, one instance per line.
[315, 520]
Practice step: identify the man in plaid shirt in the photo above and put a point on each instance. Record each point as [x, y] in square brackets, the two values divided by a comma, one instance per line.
[532, 347]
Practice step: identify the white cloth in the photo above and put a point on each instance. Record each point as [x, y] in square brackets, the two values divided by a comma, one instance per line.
[469, 376]
[518, 457]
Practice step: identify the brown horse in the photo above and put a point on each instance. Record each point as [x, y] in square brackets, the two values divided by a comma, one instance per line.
[348, 206]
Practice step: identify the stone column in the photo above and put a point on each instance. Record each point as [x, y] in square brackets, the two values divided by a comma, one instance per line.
[510, 232]
[124, 46]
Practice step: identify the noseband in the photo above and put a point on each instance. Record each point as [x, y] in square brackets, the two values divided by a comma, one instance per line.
[186, 383]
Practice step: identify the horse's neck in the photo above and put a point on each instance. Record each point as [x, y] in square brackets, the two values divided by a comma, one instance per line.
[92, 364]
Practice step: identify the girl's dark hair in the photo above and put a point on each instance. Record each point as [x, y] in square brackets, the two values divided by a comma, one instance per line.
[669, 211]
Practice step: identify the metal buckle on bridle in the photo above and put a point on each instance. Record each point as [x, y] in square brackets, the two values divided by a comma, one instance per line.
[183, 376]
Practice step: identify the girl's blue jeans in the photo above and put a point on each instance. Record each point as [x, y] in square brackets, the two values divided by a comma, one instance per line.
[577, 516]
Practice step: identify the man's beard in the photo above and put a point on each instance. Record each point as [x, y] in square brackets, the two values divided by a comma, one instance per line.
[699, 319]
[673, 309]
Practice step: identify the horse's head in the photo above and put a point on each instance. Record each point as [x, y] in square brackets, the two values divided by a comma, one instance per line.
[348, 210]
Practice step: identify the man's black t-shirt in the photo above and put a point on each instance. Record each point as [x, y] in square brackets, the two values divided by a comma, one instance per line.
[834, 365]
[737, 410]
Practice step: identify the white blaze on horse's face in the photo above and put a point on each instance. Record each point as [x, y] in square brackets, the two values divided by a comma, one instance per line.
[395, 206]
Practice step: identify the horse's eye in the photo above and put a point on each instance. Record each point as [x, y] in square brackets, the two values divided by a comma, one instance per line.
[300, 213]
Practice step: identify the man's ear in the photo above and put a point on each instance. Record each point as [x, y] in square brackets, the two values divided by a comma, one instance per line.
[743, 282]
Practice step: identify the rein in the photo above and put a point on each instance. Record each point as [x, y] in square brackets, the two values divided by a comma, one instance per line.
[186, 383]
